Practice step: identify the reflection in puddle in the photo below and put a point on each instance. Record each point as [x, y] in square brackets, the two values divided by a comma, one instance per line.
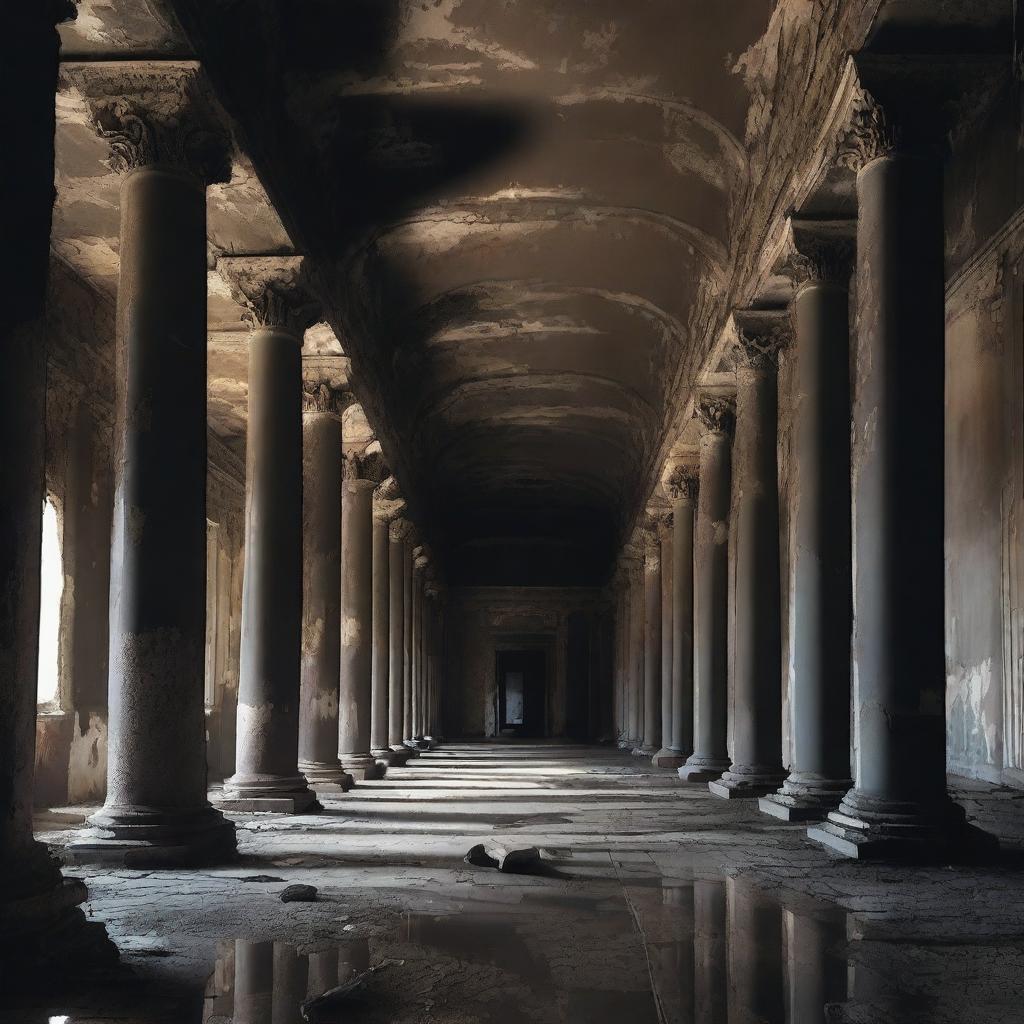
[268, 982]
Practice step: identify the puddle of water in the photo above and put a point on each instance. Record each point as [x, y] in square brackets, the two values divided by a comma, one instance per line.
[700, 950]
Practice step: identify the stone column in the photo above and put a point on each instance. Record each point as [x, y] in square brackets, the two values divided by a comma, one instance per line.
[899, 806]
[652, 646]
[636, 655]
[41, 925]
[430, 630]
[267, 776]
[819, 561]
[815, 970]
[407, 632]
[666, 757]
[291, 982]
[254, 982]
[757, 686]
[356, 627]
[683, 491]
[711, 594]
[398, 531]
[622, 658]
[381, 641]
[321, 588]
[420, 562]
[156, 811]
[710, 978]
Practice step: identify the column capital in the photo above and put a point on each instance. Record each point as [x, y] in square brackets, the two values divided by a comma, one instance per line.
[155, 114]
[717, 413]
[892, 103]
[683, 484]
[400, 529]
[760, 335]
[820, 251]
[319, 397]
[275, 291]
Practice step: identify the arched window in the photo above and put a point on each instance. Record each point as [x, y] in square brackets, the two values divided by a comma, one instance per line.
[50, 591]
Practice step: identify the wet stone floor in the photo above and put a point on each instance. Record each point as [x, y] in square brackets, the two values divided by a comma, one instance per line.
[656, 903]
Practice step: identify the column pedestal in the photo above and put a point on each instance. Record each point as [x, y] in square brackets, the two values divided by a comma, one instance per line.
[711, 596]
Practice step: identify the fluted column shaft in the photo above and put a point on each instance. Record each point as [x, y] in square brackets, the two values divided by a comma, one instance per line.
[356, 628]
[757, 686]
[380, 671]
[682, 617]
[407, 631]
[321, 596]
[652, 649]
[711, 599]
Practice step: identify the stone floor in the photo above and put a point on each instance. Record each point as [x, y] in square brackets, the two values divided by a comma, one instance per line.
[657, 903]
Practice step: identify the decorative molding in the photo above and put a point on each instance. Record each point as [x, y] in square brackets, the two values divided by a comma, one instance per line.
[820, 251]
[275, 291]
[717, 413]
[155, 114]
[761, 335]
[683, 484]
[319, 397]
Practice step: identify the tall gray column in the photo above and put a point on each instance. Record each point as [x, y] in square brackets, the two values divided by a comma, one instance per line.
[41, 924]
[899, 806]
[356, 628]
[819, 562]
[396, 640]
[321, 588]
[156, 811]
[666, 757]
[420, 562]
[636, 654]
[711, 594]
[652, 646]
[754, 943]
[683, 491]
[757, 686]
[381, 641]
[410, 545]
[266, 775]
[622, 657]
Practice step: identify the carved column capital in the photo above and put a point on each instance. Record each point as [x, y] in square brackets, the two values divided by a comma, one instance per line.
[760, 336]
[821, 252]
[716, 413]
[318, 397]
[683, 484]
[155, 114]
[275, 291]
[400, 529]
[388, 503]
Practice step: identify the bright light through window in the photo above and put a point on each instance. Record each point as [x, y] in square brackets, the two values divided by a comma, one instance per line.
[51, 588]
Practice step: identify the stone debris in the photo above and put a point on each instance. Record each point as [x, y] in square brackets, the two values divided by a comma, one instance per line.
[519, 860]
[299, 894]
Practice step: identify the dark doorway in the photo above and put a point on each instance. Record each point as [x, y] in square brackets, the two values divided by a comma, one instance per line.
[522, 694]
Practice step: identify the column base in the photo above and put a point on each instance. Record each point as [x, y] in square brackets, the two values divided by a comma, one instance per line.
[743, 782]
[624, 744]
[410, 745]
[865, 828]
[805, 796]
[324, 776]
[668, 758]
[698, 768]
[44, 932]
[399, 755]
[362, 767]
[280, 794]
[385, 757]
[146, 838]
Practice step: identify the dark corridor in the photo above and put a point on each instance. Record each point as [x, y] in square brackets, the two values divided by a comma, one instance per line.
[522, 693]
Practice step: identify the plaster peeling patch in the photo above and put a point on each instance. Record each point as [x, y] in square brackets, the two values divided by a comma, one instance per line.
[87, 760]
[325, 705]
[969, 733]
[599, 44]
[351, 632]
[312, 635]
[254, 720]
[721, 535]
[92, 257]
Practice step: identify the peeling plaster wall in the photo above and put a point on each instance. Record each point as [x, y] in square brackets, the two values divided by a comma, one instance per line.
[485, 620]
[984, 506]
